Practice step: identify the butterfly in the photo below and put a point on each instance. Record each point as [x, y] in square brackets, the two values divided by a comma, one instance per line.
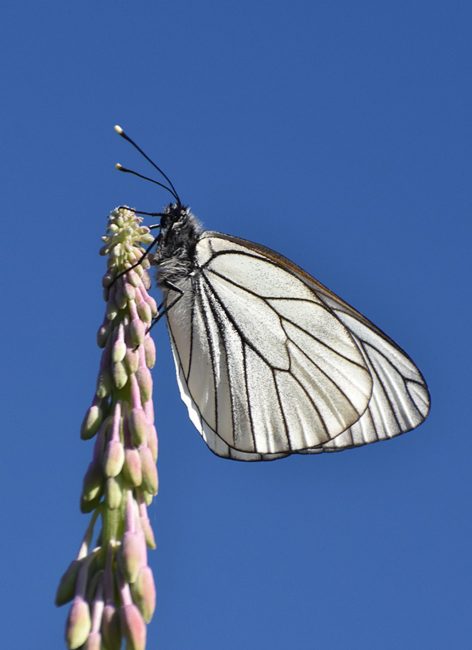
[269, 361]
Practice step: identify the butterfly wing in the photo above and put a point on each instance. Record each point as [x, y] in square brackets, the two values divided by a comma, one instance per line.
[270, 362]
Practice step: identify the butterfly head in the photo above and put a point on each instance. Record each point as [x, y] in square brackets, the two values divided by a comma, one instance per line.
[180, 231]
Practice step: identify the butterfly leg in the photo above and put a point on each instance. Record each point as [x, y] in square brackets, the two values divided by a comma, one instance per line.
[133, 266]
[169, 285]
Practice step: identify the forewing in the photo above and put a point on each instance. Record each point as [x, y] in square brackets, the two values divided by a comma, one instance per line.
[263, 364]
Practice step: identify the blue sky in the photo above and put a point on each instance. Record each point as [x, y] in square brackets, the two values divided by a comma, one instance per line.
[335, 132]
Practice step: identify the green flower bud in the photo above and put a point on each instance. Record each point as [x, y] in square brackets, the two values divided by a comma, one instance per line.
[78, 624]
[93, 482]
[118, 352]
[66, 589]
[134, 627]
[144, 382]
[113, 458]
[113, 493]
[144, 312]
[138, 426]
[144, 593]
[136, 332]
[91, 422]
[120, 376]
[103, 384]
[103, 333]
[111, 629]
[132, 467]
[131, 360]
[150, 480]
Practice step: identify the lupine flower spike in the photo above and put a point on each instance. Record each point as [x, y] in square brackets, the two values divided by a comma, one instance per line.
[110, 583]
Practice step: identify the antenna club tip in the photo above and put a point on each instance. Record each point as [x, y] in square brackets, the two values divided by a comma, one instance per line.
[118, 129]
[119, 167]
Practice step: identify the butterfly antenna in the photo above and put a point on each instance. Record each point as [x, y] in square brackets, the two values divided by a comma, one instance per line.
[124, 135]
[125, 170]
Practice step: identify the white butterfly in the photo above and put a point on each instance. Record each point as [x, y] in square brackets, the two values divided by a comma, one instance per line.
[269, 361]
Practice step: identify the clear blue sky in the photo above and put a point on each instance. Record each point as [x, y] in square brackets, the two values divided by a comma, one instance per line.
[338, 133]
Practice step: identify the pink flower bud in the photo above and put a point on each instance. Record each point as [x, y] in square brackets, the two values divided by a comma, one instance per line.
[144, 382]
[153, 442]
[144, 593]
[150, 480]
[132, 467]
[129, 291]
[148, 532]
[133, 554]
[78, 624]
[94, 642]
[150, 352]
[134, 627]
[133, 278]
[113, 458]
[138, 426]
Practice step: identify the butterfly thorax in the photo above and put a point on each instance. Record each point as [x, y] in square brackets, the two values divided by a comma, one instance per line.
[180, 231]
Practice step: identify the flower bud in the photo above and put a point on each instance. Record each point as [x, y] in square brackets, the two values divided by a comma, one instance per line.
[144, 312]
[111, 629]
[103, 333]
[78, 624]
[153, 442]
[131, 360]
[148, 532]
[133, 554]
[120, 376]
[129, 291]
[133, 278]
[144, 592]
[133, 626]
[113, 493]
[144, 382]
[113, 458]
[132, 467]
[135, 332]
[103, 384]
[93, 482]
[118, 351]
[94, 642]
[66, 588]
[150, 352]
[91, 421]
[138, 426]
[150, 480]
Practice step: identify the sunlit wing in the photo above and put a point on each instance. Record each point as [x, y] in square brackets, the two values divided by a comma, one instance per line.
[270, 362]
